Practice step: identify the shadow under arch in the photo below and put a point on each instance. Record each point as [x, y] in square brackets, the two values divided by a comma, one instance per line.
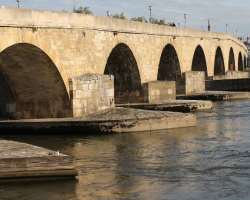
[231, 62]
[245, 62]
[31, 85]
[199, 60]
[240, 62]
[122, 64]
[219, 66]
[169, 66]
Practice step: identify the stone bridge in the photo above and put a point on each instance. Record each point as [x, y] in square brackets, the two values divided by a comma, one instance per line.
[40, 51]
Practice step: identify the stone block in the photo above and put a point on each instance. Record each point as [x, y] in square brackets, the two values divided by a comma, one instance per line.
[159, 91]
[194, 82]
[91, 93]
[11, 108]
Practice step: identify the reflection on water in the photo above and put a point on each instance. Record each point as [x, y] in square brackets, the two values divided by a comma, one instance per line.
[210, 161]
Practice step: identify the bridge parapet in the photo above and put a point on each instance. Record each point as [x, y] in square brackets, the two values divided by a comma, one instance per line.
[65, 20]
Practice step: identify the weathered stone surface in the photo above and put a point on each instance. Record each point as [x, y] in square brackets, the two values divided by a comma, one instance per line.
[174, 106]
[112, 120]
[193, 83]
[233, 75]
[124, 120]
[42, 50]
[159, 91]
[89, 40]
[91, 93]
[20, 160]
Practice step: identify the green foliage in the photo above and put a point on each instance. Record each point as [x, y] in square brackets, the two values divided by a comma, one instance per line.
[83, 10]
[157, 21]
[119, 16]
[139, 19]
[161, 22]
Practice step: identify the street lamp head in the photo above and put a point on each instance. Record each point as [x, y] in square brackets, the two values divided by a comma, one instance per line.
[18, 3]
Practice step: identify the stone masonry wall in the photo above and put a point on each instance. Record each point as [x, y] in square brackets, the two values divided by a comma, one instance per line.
[232, 75]
[194, 82]
[91, 93]
[159, 91]
[228, 85]
[90, 40]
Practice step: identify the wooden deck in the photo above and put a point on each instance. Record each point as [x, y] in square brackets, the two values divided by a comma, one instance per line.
[20, 160]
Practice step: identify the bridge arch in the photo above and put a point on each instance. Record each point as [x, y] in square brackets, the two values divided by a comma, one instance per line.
[169, 66]
[231, 62]
[199, 62]
[245, 62]
[219, 66]
[31, 85]
[122, 64]
[240, 63]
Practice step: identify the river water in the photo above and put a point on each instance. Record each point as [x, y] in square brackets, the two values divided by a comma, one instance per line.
[210, 161]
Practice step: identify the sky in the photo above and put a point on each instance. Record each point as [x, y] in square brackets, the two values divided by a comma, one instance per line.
[235, 13]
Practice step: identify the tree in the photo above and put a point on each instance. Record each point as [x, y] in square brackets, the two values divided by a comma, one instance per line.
[139, 19]
[119, 16]
[162, 22]
[158, 21]
[83, 10]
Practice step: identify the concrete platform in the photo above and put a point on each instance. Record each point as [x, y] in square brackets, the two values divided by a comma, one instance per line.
[216, 96]
[20, 160]
[116, 120]
[174, 106]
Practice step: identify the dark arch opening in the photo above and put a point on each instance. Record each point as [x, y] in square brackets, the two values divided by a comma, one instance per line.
[199, 61]
[240, 63]
[31, 85]
[245, 62]
[231, 62]
[169, 67]
[219, 67]
[122, 64]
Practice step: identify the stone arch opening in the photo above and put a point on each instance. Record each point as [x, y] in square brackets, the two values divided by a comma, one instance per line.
[245, 62]
[30, 85]
[123, 65]
[169, 67]
[231, 62]
[199, 60]
[219, 67]
[240, 63]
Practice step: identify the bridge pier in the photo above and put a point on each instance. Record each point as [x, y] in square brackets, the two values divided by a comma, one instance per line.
[231, 81]
[91, 93]
[192, 82]
[231, 85]
[159, 91]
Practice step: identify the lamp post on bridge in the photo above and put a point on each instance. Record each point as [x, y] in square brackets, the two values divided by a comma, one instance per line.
[185, 19]
[208, 25]
[150, 13]
[18, 3]
[227, 25]
[74, 5]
